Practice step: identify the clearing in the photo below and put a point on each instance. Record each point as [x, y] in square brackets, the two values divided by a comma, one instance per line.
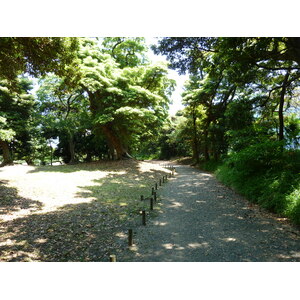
[70, 212]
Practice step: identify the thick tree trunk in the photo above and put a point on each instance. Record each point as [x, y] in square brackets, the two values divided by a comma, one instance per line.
[114, 143]
[281, 104]
[7, 159]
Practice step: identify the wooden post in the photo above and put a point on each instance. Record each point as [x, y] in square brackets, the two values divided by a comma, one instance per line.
[142, 198]
[112, 258]
[151, 203]
[163, 179]
[144, 217]
[156, 185]
[154, 197]
[152, 191]
[159, 182]
[130, 237]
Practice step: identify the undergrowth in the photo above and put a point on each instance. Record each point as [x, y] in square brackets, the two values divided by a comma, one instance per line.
[266, 174]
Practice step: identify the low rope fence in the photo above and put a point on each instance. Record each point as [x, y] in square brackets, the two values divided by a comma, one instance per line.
[153, 199]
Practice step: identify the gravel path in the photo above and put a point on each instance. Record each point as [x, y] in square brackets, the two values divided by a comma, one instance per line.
[198, 219]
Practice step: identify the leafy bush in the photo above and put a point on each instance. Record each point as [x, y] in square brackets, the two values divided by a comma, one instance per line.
[210, 165]
[267, 174]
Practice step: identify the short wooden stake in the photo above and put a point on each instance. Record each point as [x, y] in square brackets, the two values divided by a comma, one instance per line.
[130, 237]
[112, 258]
[151, 203]
[156, 185]
[163, 179]
[154, 197]
[144, 217]
[159, 182]
[152, 191]
[142, 198]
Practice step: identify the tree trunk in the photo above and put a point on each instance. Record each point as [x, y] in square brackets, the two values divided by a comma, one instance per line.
[206, 148]
[195, 138]
[281, 104]
[115, 142]
[71, 149]
[29, 161]
[206, 153]
[7, 159]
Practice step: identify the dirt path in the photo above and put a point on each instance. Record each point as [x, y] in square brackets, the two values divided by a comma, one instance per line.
[201, 220]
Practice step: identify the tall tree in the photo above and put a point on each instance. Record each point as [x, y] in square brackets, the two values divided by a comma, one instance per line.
[125, 100]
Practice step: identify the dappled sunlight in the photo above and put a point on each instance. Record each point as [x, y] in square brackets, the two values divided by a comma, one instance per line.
[168, 246]
[176, 204]
[200, 201]
[228, 239]
[51, 189]
[160, 223]
[198, 245]
[148, 167]
[79, 216]
[71, 212]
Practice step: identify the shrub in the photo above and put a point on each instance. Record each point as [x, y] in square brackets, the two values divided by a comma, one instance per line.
[267, 174]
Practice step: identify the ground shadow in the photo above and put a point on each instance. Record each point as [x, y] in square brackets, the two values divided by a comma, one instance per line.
[202, 220]
[85, 231]
[81, 232]
[11, 202]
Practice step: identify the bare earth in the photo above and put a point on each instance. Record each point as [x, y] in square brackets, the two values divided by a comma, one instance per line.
[200, 220]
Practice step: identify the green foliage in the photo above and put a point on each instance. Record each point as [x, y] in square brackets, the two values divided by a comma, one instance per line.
[5, 134]
[210, 165]
[17, 107]
[267, 175]
[292, 130]
[35, 55]
[128, 52]
[128, 101]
